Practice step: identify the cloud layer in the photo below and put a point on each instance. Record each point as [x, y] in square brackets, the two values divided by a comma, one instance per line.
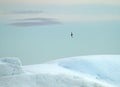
[35, 22]
[27, 12]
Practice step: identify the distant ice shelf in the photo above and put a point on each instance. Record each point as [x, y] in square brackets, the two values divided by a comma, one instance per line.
[81, 71]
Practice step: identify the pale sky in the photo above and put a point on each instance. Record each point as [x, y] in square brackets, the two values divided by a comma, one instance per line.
[39, 30]
[62, 2]
[64, 9]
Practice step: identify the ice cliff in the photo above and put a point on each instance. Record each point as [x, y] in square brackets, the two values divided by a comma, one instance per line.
[82, 71]
[10, 66]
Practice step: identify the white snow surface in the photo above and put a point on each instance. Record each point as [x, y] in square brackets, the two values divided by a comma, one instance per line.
[82, 71]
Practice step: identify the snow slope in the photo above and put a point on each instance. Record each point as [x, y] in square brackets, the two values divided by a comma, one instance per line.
[82, 71]
[101, 67]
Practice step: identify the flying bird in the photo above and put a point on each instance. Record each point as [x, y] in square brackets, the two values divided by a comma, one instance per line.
[71, 34]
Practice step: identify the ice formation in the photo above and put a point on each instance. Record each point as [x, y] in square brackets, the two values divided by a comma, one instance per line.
[83, 71]
[10, 66]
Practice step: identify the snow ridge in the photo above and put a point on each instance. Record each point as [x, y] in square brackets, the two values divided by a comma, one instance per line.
[82, 71]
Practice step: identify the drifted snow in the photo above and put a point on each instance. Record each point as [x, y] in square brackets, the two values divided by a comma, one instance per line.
[10, 66]
[83, 71]
[102, 67]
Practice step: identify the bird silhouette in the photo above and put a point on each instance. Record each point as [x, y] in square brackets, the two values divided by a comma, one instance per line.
[71, 34]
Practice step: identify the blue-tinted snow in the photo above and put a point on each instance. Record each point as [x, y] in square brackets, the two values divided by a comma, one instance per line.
[82, 71]
[103, 67]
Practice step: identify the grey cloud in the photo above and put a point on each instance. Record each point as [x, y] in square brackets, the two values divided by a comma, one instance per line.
[35, 22]
[38, 19]
[27, 12]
